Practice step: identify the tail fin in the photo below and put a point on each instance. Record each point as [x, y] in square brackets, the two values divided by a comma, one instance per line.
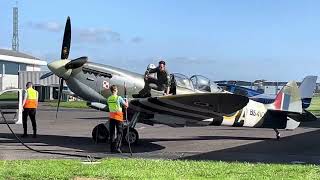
[307, 88]
[288, 99]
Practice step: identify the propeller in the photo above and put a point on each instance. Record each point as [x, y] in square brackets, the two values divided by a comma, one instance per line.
[63, 67]
[65, 50]
[76, 63]
[46, 75]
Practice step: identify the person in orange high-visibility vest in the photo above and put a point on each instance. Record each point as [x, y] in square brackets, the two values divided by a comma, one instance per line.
[30, 105]
[115, 104]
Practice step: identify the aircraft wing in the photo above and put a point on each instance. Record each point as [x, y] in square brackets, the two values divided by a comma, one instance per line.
[191, 106]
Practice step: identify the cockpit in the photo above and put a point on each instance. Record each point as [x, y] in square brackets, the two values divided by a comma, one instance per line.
[180, 84]
[203, 83]
[182, 81]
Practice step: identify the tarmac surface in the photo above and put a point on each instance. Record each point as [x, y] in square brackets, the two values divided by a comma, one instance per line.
[69, 136]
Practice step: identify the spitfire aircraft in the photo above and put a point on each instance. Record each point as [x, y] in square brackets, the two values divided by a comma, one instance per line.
[191, 104]
[186, 106]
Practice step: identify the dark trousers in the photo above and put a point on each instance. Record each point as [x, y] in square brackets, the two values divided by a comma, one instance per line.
[115, 144]
[151, 83]
[159, 86]
[31, 112]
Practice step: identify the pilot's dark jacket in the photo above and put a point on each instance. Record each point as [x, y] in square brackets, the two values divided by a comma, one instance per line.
[163, 77]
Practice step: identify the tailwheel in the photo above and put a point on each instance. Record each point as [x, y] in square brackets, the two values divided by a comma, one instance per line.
[100, 134]
[133, 136]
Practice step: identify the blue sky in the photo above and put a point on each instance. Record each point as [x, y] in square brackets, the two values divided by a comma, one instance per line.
[231, 39]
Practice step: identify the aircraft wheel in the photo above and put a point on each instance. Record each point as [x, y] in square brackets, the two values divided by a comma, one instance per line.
[133, 136]
[100, 134]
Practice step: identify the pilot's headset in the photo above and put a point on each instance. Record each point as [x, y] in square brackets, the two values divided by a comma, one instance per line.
[151, 66]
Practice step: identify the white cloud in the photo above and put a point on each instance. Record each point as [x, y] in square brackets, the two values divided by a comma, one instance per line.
[80, 35]
[191, 60]
[136, 40]
[96, 35]
[47, 26]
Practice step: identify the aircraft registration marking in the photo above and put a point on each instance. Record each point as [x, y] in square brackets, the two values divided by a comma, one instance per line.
[253, 112]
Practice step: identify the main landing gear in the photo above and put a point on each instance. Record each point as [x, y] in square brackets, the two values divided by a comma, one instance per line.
[100, 133]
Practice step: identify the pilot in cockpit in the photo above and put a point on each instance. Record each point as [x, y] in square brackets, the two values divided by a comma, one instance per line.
[161, 82]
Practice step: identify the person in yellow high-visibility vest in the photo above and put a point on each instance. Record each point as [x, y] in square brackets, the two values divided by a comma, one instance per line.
[115, 104]
[30, 105]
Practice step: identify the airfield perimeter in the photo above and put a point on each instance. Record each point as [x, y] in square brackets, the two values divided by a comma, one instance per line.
[69, 136]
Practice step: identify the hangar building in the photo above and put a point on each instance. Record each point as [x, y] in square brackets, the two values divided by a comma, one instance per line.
[11, 62]
[16, 69]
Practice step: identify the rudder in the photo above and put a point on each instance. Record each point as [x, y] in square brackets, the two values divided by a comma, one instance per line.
[307, 88]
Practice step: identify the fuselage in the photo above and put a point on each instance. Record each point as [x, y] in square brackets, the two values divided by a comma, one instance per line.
[92, 82]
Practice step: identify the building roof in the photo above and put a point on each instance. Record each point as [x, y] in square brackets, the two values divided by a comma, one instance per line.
[16, 54]
[13, 56]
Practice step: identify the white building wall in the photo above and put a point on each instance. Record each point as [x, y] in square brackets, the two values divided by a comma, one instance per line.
[34, 77]
[33, 68]
[9, 81]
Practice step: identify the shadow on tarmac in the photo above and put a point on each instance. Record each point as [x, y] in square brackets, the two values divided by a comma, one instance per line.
[78, 144]
[200, 138]
[303, 148]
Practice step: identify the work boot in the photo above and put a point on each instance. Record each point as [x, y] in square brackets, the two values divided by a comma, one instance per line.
[112, 147]
[145, 92]
[34, 134]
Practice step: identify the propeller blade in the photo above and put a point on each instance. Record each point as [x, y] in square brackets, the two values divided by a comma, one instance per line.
[46, 75]
[125, 89]
[76, 63]
[59, 96]
[66, 40]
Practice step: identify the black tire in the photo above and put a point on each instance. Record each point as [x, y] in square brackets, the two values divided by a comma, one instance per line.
[134, 136]
[100, 134]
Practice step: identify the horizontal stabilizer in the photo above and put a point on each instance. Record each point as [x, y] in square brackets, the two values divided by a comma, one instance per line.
[306, 116]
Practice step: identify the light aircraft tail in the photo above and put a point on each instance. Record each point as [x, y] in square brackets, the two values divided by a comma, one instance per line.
[307, 88]
[288, 99]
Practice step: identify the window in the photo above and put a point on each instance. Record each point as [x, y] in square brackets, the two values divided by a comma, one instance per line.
[182, 81]
[11, 68]
[1, 68]
[23, 67]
